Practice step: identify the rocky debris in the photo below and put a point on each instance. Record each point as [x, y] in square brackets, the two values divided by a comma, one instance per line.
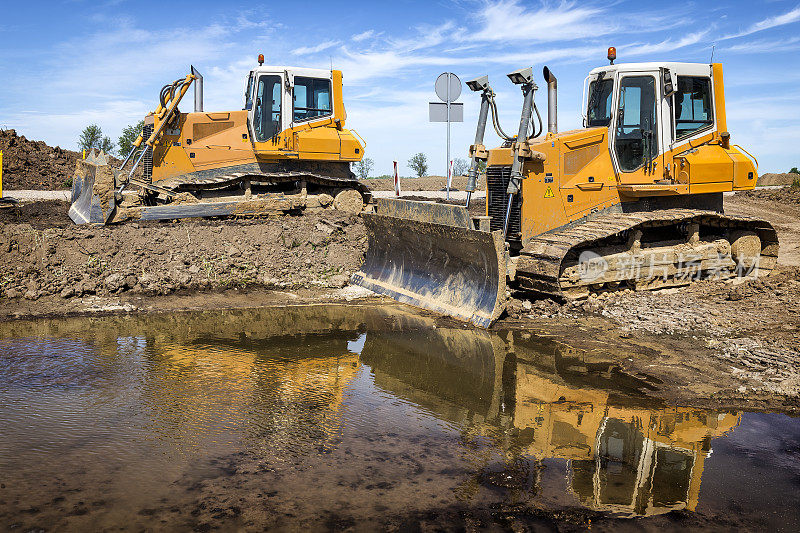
[540, 308]
[753, 323]
[313, 250]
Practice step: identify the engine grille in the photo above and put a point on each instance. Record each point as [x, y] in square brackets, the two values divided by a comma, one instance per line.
[147, 162]
[497, 178]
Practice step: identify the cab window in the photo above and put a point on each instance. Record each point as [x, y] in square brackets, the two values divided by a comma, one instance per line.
[599, 108]
[312, 98]
[635, 139]
[692, 106]
[267, 116]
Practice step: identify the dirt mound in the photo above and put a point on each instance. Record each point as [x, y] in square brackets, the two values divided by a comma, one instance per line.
[314, 250]
[788, 195]
[427, 183]
[786, 178]
[34, 164]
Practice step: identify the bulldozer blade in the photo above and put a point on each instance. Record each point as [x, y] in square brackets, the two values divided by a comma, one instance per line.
[93, 199]
[451, 270]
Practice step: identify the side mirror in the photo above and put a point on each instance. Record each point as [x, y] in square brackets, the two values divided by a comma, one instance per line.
[667, 82]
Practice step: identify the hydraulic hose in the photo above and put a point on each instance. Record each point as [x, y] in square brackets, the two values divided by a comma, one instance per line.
[541, 126]
[496, 122]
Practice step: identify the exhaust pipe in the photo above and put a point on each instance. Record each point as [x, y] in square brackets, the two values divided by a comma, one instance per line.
[198, 91]
[552, 103]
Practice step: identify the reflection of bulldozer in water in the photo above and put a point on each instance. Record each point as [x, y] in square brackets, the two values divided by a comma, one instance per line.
[633, 200]
[287, 150]
[535, 402]
[292, 388]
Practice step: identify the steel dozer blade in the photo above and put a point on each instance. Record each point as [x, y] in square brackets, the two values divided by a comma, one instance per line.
[93, 198]
[426, 255]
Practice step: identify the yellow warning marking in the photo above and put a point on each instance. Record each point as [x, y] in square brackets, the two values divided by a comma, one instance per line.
[548, 193]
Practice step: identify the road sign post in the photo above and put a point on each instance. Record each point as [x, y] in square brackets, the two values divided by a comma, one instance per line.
[448, 89]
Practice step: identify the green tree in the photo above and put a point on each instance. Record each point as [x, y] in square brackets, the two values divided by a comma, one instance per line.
[794, 171]
[419, 164]
[364, 168]
[128, 137]
[92, 138]
[460, 166]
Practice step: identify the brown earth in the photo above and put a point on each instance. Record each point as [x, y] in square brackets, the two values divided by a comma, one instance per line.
[744, 332]
[786, 178]
[34, 164]
[43, 255]
[426, 183]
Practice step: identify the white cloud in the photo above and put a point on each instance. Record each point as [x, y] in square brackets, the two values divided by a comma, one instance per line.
[309, 50]
[765, 46]
[363, 36]
[667, 45]
[508, 21]
[770, 22]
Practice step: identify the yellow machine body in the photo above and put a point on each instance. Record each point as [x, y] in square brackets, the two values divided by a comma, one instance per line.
[579, 175]
[287, 150]
[209, 141]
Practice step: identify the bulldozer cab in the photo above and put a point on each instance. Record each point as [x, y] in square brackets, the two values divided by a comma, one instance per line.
[280, 100]
[650, 109]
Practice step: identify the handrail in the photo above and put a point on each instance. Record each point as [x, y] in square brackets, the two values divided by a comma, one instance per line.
[749, 154]
[363, 142]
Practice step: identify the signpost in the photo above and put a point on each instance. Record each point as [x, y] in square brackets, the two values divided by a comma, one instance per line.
[448, 89]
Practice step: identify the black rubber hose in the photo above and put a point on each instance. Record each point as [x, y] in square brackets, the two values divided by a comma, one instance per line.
[541, 127]
[496, 122]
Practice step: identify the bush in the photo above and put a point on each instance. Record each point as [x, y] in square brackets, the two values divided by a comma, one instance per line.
[419, 164]
[794, 171]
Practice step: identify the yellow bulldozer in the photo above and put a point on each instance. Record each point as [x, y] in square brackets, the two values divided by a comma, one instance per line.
[287, 150]
[631, 200]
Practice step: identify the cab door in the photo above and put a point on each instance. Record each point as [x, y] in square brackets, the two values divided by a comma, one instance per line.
[266, 116]
[635, 138]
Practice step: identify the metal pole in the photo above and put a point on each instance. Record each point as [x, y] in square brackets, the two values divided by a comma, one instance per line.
[447, 163]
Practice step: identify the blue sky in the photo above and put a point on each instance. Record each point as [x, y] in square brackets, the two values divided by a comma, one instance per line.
[71, 63]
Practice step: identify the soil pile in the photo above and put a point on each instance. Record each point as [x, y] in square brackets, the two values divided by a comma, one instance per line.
[34, 164]
[787, 178]
[427, 183]
[789, 195]
[313, 250]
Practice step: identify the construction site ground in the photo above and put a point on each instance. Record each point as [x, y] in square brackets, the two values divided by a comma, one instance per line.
[721, 343]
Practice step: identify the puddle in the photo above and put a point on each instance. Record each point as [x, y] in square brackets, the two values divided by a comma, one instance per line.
[335, 417]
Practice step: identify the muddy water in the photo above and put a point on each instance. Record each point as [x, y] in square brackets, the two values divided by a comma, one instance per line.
[360, 418]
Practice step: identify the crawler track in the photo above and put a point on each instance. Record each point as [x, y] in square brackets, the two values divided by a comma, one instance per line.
[211, 183]
[550, 263]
